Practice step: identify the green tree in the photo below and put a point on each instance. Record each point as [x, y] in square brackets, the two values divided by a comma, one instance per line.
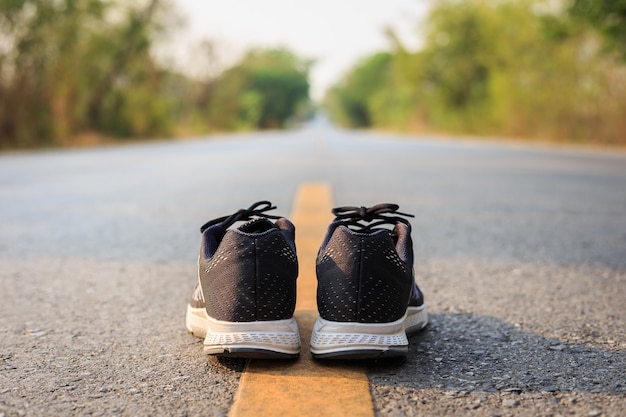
[608, 16]
[352, 99]
[280, 79]
[263, 90]
[500, 67]
[72, 66]
[517, 68]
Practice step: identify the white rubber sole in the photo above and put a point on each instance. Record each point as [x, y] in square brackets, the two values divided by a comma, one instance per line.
[416, 319]
[258, 339]
[347, 340]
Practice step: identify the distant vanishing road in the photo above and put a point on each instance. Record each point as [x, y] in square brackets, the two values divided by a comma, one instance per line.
[520, 250]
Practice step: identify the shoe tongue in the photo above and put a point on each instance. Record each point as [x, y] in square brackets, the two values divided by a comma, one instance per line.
[257, 226]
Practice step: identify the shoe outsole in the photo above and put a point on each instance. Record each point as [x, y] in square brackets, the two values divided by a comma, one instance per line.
[248, 353]
[277, 339]
[348, 340]
[341, 341]
[389, 352]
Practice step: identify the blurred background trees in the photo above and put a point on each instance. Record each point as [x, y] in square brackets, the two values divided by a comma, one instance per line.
[607, 17]
[524, 68]
[264, 90]
[78, 71]
[75, 71]
[70, 67]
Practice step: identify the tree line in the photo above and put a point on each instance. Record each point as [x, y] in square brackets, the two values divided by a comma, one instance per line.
[71, 70]
[522, 68]
[75, 70]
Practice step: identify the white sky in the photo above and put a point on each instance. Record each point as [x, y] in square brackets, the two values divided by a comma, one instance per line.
[335, 33]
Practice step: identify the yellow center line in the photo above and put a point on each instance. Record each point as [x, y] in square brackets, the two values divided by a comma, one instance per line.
[305, 387]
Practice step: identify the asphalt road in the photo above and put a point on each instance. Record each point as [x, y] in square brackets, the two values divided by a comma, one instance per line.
[521, 252]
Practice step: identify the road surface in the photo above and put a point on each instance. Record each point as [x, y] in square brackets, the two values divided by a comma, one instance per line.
[521, 252]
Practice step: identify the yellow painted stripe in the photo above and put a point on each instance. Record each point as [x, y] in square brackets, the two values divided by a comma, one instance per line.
[305, 387]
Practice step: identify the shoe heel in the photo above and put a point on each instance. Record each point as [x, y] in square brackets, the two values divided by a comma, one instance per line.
[348, 340]
[279, 339]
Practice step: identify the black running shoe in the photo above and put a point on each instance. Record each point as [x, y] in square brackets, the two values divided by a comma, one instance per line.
[367, 297]
[244, 301]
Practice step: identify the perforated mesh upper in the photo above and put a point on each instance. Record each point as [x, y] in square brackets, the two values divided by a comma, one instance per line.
[362, 278]
[250, 276]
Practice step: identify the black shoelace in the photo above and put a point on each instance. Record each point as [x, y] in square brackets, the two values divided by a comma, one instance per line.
[257, 210]
[364, 219]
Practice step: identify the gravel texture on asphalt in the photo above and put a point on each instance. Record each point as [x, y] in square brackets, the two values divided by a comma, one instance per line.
[517, 341]
[103, 338]
[509, 339]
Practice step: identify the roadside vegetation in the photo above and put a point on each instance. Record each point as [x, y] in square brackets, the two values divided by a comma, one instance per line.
[522, 68]
[84, 71]
[78, 72]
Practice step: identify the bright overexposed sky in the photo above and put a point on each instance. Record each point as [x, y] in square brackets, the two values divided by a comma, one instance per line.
[335, 33]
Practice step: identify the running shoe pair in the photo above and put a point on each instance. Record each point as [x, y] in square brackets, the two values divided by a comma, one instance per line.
[367, 297]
